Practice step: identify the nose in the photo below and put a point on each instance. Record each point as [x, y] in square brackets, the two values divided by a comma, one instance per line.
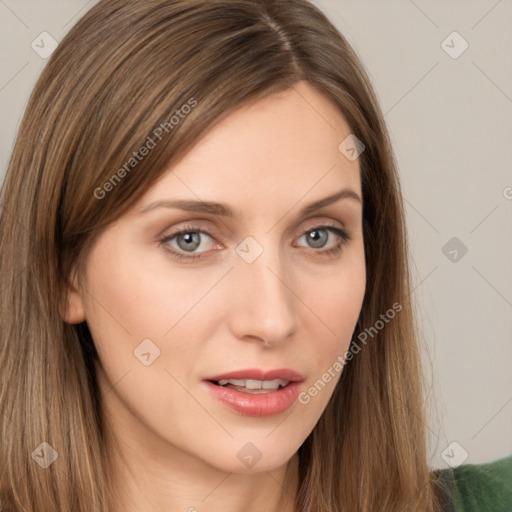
[263, 303]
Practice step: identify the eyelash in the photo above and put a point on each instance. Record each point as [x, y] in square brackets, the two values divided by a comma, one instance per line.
[333, 251]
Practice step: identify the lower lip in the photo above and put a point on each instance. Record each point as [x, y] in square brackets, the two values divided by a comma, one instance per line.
[263, 404]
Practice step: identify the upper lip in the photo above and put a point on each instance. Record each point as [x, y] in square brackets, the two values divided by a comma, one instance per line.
[258, 374]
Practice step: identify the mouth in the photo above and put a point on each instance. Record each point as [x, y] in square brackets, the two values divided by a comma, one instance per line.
[252, 386]
[256, 392]
[255, 380]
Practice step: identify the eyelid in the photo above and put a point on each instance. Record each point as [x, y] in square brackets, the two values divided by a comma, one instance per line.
[197, 225]
[313, 224]
[187, 227]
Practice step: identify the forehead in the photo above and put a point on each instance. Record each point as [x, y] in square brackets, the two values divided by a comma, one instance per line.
[280, 148]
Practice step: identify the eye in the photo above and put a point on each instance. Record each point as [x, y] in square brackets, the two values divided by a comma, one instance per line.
[320, 236]
[184, 243]
[187, 240]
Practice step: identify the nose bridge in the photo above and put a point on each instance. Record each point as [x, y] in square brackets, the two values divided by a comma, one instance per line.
[265, 306]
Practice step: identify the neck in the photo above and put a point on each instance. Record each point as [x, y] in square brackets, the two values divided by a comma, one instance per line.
[192, 486]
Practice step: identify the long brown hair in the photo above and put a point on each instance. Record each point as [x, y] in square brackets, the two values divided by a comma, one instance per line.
[116, 79]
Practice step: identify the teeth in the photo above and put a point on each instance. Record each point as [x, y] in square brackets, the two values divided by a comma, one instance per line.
[254, 384]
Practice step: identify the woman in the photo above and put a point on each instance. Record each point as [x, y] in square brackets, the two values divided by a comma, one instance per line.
[201, 226]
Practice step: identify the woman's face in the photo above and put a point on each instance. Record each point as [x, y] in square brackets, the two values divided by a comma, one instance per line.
[267, 289]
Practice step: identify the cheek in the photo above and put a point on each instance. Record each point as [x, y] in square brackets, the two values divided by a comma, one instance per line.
[336, 303]
[133, 297]
[137, 293]
[131, 304]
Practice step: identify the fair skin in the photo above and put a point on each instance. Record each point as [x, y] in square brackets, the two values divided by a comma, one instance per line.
[213, 314]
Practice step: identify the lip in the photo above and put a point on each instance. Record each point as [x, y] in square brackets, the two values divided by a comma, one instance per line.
[257, 405]
[258, 374]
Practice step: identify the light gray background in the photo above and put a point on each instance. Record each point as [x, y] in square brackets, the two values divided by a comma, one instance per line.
[451, 125]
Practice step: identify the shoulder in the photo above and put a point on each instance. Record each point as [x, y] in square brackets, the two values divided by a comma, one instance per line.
[478, 487]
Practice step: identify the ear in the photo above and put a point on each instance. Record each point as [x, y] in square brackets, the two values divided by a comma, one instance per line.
[75, 311]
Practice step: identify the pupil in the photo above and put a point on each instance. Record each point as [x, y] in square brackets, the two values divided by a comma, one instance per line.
[191, 237]
[318, 240]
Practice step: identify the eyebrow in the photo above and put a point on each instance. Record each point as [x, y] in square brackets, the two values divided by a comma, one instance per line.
[225, 210]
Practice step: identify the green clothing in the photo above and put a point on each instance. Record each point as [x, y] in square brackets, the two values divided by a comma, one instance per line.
[478, 487]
